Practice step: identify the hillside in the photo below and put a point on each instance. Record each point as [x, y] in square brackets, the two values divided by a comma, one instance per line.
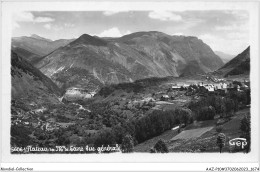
[27, 55]
[238, 65]
[181, 49]
[38, 45]
[29, 83]
[91, 62]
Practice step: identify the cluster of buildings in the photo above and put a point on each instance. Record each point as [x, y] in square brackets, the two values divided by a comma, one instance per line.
[215, 86]
[221, 85]
[225, 86]
[79, 93]
[51, 126]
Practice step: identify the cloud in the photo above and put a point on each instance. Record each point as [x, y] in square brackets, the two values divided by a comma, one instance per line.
[56, 27]
[69, 25]
[15, 25]
[110, 13]
[242, 27]
[178, 33]
[26, 16]
[238, 35]
[53, 27]
[23, 16]
[43, 19]
[164, 16]
[47, 26]
[240, 14]
[112, 32]
[225, 44]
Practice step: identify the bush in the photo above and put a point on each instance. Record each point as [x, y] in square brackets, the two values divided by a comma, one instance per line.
[105, 137]
[221, 139]
[245, 127]
[127, 144]
[160, 147]
[19, 136]
[206, 113]
[245, 124]
[219, 128]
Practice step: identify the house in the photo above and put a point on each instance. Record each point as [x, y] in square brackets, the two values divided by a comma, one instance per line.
[238, 88]
[224, 85]
[26, 123]
[209, 87]
[79, 93]
[185, 85]
[200, 84]
[176, 87]
[218, 86]
[164, 97]
[175, 128]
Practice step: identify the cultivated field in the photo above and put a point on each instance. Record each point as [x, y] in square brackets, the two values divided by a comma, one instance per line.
[198, 137]
[190, 134]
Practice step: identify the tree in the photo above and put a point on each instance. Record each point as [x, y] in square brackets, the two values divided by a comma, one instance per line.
[105, 137]
[160, 147]
[186, 116]
[219, 128]
[245, 127]
[221, 139]
[206, 113]
[127, 144]
[245, 124]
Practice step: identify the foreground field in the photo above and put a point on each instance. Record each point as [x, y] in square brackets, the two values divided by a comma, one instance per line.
[191, 134]
[198, 137]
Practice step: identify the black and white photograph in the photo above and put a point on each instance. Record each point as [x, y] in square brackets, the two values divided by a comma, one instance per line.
[126, 81]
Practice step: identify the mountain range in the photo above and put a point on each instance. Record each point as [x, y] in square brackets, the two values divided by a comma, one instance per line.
[91, 61]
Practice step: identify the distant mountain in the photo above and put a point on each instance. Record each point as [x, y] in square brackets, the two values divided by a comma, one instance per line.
[238, 65]
[181, 49]
[40, 38]
[90, 61]
[224, 56]
[38, 45]
[30, 83]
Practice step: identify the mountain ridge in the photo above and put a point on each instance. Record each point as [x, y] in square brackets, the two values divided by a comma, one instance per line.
[38, 45]
[238, 65]
[28, 80]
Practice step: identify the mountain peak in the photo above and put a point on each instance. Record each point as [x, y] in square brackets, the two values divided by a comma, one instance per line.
[90, 40]
[40, 38]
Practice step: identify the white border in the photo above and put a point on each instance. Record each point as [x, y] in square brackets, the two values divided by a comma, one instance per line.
[9, 7]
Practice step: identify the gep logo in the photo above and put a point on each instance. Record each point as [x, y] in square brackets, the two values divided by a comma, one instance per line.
[238, 142]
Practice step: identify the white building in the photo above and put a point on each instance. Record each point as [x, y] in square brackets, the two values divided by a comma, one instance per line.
[185, 85]
[176, 87]
[209, 87]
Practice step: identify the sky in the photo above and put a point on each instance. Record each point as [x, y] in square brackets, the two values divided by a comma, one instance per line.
[222, 30]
